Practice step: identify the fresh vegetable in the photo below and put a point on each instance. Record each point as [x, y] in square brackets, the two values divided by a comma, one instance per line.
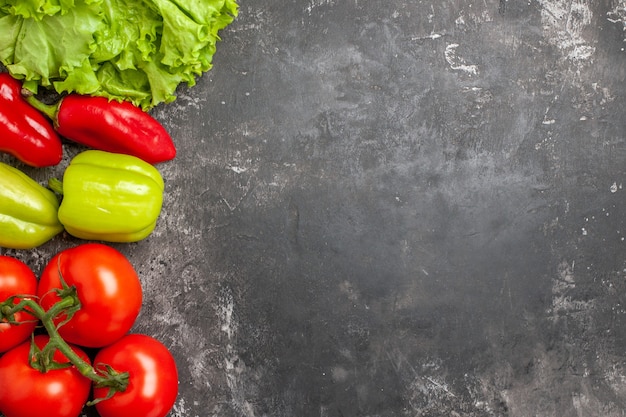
[152, 376]
[106, 285]
[24, 132]
[45, 355]
[136, 50]
[83, 294]
[28, 211]
[16, 280]
[30, 392]
[109, 197]
[112, 126]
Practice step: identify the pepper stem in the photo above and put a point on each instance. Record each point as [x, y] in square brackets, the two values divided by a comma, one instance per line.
[50, 110]
[56, 185]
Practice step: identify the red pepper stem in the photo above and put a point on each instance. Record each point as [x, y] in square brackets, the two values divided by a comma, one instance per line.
[50, 110]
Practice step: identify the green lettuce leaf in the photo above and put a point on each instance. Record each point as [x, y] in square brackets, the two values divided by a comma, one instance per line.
[134, 50]
[50, 48]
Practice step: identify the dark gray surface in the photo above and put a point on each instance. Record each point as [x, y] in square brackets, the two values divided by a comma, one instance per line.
[398, 208]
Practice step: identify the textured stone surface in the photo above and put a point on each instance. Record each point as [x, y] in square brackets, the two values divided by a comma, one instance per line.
[399, 208]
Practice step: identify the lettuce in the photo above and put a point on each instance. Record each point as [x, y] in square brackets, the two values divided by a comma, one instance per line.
[134, 50]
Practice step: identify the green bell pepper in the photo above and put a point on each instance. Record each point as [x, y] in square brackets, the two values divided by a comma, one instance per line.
[109, 197]
[28, 211]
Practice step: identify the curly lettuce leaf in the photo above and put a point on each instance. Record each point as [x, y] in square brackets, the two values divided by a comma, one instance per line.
[42, 50]
[36, 9]
[134, 50]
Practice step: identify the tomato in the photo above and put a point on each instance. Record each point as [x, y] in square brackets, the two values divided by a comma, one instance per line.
[16, 278]
[27, 392]
[108, 288]
[153, 378]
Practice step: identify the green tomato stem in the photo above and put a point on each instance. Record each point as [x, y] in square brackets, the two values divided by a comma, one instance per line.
[116, 381]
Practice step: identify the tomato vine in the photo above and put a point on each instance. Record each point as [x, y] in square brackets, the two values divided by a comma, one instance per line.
[74, 303]
[103, 377]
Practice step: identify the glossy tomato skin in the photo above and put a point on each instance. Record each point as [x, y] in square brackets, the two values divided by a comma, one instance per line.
[16, 278]
[108, 288]
[27, 392]
[153, 378]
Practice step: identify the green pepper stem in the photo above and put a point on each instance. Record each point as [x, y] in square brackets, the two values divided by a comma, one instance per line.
[115, 382]
[56, 185]
[50, 110]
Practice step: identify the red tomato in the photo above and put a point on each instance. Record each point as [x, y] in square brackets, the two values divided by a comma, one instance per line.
[27, 392]
[153, 378]
[107, 286]
[16, 278]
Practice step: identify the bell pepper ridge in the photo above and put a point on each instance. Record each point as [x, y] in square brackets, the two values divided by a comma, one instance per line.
[28, 211]
[109, 197]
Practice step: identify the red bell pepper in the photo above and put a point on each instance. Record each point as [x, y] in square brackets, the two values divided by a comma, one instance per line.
[24, 132]
[109, 125]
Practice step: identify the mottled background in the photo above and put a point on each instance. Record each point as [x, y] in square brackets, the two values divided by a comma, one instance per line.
[396, 208]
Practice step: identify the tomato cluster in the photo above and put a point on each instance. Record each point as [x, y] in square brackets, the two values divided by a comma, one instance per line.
[86, 299]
